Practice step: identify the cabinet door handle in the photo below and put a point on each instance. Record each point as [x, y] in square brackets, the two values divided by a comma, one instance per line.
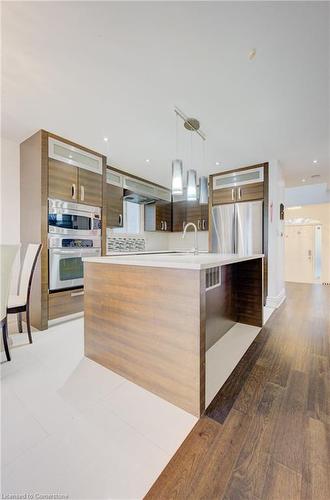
[239, 193]
[120, 219]
[204, 224]
[232, 194]
[82, 193]
[161, 225]
[165, 224]
[73, 191]
[198, 224]
[77, 294]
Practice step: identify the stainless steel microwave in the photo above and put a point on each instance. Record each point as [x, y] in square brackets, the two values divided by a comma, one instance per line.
[73, 218]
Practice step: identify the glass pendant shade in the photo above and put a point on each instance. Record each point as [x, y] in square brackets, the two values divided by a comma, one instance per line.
[191, 185]
[177, 177]
[203, 190]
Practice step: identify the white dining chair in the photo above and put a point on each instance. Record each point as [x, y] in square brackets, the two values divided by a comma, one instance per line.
[17, 304]
[7, 258]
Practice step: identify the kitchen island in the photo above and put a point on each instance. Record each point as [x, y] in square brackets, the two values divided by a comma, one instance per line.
[151, 318]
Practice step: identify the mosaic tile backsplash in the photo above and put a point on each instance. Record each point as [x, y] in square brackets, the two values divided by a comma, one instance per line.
[125, 244]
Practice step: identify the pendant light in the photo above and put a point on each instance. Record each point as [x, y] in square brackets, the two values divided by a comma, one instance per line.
[177, 177]
[193, 126]
[203, 184]
[177, 167]
[191, 185]
[191, 178]
[203, 191]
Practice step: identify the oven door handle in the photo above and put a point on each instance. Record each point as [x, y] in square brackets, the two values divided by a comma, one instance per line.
[75, 252]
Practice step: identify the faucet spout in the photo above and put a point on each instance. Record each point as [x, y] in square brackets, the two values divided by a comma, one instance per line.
[191, 224]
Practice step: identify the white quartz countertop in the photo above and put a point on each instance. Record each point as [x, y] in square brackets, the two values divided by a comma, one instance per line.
[174, 260]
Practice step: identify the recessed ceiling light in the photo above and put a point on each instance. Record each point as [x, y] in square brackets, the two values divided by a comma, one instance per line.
[147, 160]
[70, 156]
[303, 180]
[314, 161]
[217, 163]
[105, 139]
[252, 54]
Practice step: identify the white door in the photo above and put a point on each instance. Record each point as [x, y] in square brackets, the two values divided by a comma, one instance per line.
[300, 253]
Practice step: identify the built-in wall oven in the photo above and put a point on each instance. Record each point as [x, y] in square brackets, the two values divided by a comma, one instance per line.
[66, 268]
[74, 232]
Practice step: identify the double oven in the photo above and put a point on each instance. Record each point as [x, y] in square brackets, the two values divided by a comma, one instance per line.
[74, 232]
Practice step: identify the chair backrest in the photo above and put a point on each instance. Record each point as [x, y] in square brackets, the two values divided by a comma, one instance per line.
[29, 264]
[7, 258]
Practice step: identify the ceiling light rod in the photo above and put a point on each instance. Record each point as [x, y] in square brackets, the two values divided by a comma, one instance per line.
[190, 123]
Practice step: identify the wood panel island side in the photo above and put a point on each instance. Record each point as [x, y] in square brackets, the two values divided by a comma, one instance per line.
[151, 318]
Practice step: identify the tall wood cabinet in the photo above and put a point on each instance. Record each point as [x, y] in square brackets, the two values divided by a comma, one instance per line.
[243, 185]
[53, 167]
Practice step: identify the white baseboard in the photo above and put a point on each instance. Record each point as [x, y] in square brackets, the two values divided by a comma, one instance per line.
[276, 301]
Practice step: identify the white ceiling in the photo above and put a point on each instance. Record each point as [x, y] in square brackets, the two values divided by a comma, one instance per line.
[86, 70]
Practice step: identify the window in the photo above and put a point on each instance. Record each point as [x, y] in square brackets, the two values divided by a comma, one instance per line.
[132, 219]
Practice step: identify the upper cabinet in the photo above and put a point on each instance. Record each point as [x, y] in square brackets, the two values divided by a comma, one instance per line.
[62, 181]
[90, 187]
[189, 211]
[73, 174]
[237, 186]
[74, 156]
[238, 178]
[179, 215]
[113, 202]
[158, 216]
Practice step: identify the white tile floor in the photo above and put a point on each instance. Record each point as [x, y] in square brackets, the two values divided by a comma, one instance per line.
[71, 427]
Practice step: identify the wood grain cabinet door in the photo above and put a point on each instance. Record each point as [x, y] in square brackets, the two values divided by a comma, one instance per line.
[194, 214]
[62, 181]
[114, 206]
[179, 215]
[90, 188]
[250, 192]
[205, 217]
[163, 216]
[223, 195]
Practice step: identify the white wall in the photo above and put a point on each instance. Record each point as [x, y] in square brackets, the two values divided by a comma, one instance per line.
[175, 241]
[307, 195]
[276, 291]
[10, 198]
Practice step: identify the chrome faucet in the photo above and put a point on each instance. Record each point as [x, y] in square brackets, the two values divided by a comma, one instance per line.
[196, 240]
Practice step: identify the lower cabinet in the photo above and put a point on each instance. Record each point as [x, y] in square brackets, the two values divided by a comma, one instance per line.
[65, 303]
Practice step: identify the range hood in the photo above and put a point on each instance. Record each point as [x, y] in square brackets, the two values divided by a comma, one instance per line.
[134, 197]
[140, 192]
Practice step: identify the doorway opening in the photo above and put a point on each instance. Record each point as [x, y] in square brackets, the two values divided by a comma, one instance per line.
[307, 244]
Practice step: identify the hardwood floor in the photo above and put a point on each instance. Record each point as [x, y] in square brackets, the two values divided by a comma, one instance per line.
[269, 437]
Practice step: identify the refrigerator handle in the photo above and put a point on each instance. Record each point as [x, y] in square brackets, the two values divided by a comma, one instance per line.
[235, 229]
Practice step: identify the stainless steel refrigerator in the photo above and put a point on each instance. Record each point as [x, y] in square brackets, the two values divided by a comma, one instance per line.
[238, 228]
